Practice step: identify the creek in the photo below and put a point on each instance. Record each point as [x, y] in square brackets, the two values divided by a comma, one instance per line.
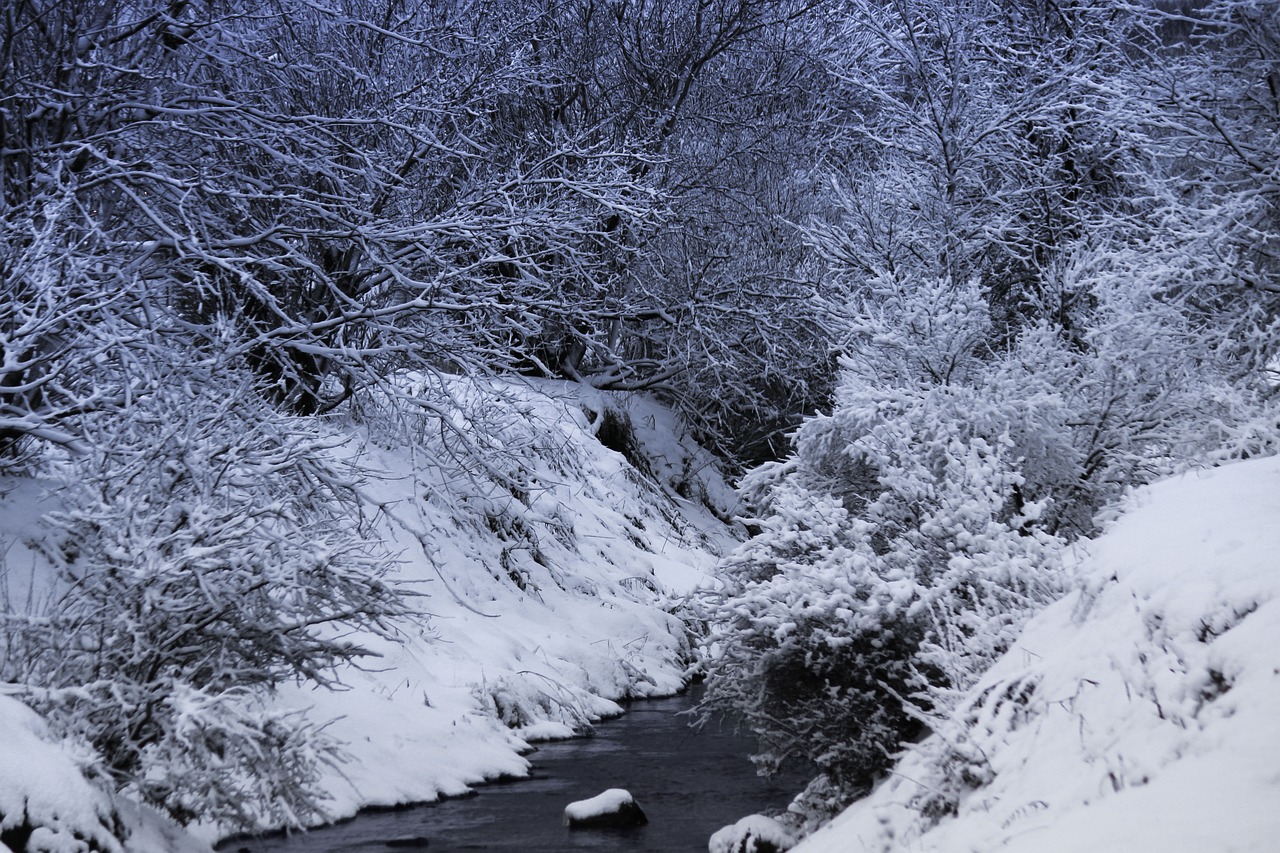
[689, 783]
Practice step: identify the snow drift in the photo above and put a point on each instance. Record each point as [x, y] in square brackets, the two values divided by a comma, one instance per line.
[1141, 712]
[551, 580]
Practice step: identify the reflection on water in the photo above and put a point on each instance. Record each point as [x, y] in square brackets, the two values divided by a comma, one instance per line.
[689, 783]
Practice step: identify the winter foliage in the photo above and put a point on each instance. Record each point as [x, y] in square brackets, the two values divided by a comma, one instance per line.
[1137, 712]
[904, 584]
[206, 553]
[333, 331]
[1024, 337]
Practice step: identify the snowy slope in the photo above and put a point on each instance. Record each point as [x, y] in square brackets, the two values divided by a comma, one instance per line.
[1141, 713]
[548, 533]
[46, 804]
[546, 605]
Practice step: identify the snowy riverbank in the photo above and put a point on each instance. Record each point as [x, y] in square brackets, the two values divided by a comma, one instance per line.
[546, 607]
[1138, 713]
[1142, 712]
[547, 601]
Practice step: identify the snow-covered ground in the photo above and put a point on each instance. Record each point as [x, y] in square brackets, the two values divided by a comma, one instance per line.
[1141, 713]
[550, 591]
[46, 804]
[546, 606]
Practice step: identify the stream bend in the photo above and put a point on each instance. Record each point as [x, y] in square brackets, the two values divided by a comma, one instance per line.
[689, 782]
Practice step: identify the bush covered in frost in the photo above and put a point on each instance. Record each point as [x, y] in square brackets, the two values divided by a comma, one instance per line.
[848, 607]
[914, 529]
[207, 550]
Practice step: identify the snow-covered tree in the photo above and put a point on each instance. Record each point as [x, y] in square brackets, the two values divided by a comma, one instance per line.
[334, 184]
[986, 145]
[206, 552]
[582, 190]
[725, 104]
[1210, 105]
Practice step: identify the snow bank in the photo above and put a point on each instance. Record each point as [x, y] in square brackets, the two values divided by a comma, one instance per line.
[548, 531]
[551, 596]
[42, 791]
[1140, 713]
[46, 804]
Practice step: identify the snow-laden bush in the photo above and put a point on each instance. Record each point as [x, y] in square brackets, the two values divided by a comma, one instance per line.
[1140, 712]
[920, 524]
[848, 606]
[207, 551]
[62, 327]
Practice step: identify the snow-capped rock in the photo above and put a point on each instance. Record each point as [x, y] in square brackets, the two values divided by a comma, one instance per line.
[614, 808]
[753, 834]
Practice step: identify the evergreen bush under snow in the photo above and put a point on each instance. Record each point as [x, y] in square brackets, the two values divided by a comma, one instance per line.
[853, 613]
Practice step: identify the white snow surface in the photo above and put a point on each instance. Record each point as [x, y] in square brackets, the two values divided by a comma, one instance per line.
[548, 600]
[1141, 713]
[42, 789]
[605, 803]
[41, 786]
[598, 548]
[748, 834]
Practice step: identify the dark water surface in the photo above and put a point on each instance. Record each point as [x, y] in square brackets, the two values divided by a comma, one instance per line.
[689, 783]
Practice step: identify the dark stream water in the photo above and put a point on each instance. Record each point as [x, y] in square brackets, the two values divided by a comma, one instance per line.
[689, 783]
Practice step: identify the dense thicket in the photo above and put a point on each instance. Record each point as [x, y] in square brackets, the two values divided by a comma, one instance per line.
[1023, 254]
[591, 189]
[1055, 271]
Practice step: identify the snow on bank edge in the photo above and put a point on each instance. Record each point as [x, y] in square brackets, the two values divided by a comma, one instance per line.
[1142, 712]
[46, 804]
[548, 603]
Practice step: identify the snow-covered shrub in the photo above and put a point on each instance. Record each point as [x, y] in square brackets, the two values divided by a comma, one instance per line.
[1137, 713]
[918, 526]
[1151, 381]
[525, 699]
[900, 548]
[809, 658]
[62, 323]
[905, 586]
[207, 550]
